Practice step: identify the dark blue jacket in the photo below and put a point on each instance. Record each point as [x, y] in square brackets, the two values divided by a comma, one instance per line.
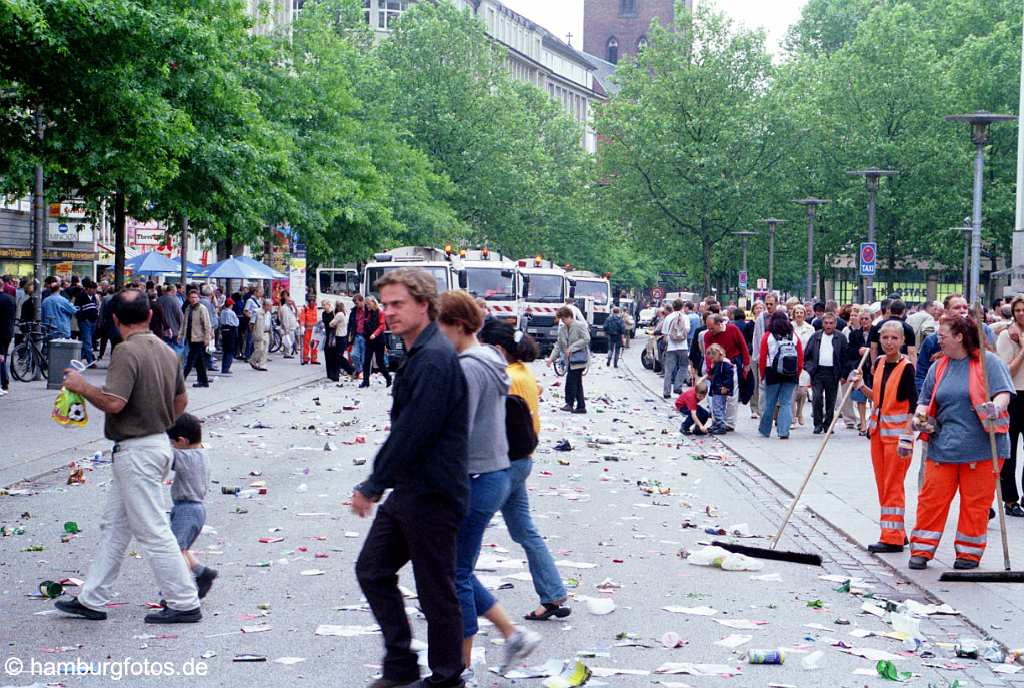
[721, 376]
[426, 452]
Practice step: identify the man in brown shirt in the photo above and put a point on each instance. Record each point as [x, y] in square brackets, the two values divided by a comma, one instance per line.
[144, 393]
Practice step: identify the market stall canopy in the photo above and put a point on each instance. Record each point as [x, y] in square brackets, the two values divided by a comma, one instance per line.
[235, 268]
[189, 265]
[271, 273]
[152, 263]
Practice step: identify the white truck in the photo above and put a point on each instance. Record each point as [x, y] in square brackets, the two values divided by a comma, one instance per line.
[442, 265]
[589, 285]
[495, 279]
[545, 289]
[337, 284]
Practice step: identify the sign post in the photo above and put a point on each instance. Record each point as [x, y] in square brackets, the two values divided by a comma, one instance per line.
[658, 293]
[868, 264]
[743, 279]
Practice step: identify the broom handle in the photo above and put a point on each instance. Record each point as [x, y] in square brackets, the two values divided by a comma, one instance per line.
[821, 450]
[992, 439]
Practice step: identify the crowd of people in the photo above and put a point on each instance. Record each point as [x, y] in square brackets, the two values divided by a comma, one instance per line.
[935, 375]
[207, 327]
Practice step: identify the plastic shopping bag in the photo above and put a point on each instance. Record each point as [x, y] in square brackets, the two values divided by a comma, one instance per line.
[69, 409]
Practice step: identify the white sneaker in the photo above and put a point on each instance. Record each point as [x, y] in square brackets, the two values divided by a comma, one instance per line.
[3, 392]
[519, 647]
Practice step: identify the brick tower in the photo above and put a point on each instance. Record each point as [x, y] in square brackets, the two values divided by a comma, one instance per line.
[613, 28]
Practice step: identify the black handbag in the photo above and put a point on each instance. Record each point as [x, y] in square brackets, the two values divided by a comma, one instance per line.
[522, 439]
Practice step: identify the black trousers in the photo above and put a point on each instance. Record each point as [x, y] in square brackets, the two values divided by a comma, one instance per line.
[335, 361]
[420, 529]
[228, 338]
[826, 388]
[197, 357]
[574, 389]
[374, 350]
[702, 414]
[1008, 476]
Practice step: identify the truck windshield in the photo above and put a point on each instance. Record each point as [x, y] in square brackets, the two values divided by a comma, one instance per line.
[338, 282]
[596, 290]
[489, 284]
[438, 272]
[546, 289]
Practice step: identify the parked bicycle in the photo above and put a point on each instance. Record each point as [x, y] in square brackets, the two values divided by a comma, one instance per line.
[28, 360]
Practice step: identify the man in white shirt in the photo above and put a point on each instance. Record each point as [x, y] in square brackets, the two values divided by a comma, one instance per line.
[825, 360]
[675, 328]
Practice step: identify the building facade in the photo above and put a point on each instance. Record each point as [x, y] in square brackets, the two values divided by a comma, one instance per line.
[68, 243]
[534, 55]
[615, 28]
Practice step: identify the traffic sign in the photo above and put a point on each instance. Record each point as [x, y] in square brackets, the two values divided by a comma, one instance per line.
[762, 284]
[743, 279]
[868, 258]
[658, 293]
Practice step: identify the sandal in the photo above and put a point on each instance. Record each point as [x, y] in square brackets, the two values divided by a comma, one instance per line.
[555, 610]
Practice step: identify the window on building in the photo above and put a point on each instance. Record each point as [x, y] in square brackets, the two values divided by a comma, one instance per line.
[627, 8]
[366, 9]
[613, 50]
[641, 43]
[388, 11]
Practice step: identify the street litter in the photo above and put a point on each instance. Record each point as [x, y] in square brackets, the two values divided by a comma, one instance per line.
[766, 656]
[733, 641]
[918, 609]
[599, 606]
[262, 628]
[870, 653]
[569, 678]
[812, 661]
[249, 658]
[671, 640]
[693, 669]
[346, 631]
[566, 564]
[887, 670]
[288, 661]
[604, 672]
[695, 611]
[724, 559]
[742, 624]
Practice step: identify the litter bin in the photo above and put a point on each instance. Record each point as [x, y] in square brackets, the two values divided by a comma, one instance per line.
[60, 354]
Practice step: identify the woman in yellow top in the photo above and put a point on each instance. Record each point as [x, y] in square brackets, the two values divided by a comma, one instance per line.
[519, 349]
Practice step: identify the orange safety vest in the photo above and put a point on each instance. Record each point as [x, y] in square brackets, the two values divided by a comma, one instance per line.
[975, 388]
[308, 316]
[889, 418]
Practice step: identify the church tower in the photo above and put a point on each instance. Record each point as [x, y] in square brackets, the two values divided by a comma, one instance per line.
[614, 28]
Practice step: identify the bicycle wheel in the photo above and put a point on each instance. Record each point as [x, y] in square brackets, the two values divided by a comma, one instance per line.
[24, 363]
[276, 341]
[559, 366]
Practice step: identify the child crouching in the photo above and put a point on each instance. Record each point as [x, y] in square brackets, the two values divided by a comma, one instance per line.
[695, 416]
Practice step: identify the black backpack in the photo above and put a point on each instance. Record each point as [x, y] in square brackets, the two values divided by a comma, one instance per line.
[522, 439]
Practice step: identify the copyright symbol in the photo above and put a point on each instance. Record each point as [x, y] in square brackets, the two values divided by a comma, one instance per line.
[13, 666]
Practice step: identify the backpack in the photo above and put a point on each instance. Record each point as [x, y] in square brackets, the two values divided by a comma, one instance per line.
[522, 439]
[786, 357]
[613, 326]
[677, 330]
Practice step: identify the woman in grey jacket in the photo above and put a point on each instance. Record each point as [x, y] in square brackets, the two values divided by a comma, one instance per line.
[487, 382]
[574, 344]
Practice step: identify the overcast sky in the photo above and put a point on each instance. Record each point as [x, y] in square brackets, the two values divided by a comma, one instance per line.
[565, 16]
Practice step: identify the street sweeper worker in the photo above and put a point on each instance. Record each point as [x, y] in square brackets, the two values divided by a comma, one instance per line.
[893, 393]
[955, 414]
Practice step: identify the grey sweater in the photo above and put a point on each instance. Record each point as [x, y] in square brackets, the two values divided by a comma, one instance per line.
[487, 384]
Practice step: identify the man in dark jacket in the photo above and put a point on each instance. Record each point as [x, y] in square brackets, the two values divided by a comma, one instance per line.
[826, 362]
[8, 310]
[424, 464]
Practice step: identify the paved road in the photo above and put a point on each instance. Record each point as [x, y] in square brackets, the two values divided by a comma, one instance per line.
[618, 504]
[34, 444]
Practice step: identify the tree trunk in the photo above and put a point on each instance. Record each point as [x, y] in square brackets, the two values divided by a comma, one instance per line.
[120, 220]
[183, 249]
[706, 246]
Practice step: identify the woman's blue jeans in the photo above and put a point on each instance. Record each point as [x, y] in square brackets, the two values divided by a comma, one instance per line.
[516, 511]
[487, 493]
[781, 395]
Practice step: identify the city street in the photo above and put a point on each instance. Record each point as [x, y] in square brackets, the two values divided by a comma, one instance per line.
[622, 511]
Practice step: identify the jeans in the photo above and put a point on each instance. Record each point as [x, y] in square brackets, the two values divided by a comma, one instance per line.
[702, 415]
[487, 493]
[826, 386]
[5, 381]
[87, 330]
[614, 350]
[197, 357]
[719, 404]
[228, 337]
[516, 512]
[574, 389]
[675, 365]
[358, 351]
[135, 508]
[421, 530]
[777, 394]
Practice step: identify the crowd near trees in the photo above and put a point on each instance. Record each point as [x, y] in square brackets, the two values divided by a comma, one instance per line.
[179, 111]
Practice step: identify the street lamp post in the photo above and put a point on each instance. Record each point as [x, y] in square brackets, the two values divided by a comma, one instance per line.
[744, 236]
[871, 175]
[773, 224]
[979, 122]
[38, 222]
[811, 203]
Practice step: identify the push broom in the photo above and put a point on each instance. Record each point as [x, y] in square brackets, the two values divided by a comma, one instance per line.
[781, 555]
[1006, 575]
